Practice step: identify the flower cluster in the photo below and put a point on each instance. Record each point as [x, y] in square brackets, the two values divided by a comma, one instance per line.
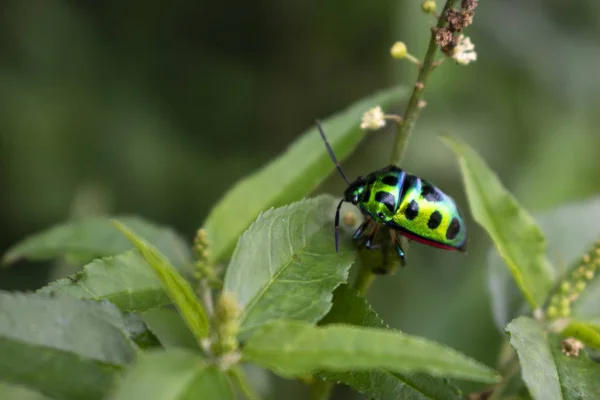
[464, 52]
[204, 268]
[459, 48]
[574, 284]
[375, 119]
[459, 19]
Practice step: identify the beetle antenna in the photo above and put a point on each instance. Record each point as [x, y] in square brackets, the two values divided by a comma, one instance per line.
[330, 150]
[337, 226]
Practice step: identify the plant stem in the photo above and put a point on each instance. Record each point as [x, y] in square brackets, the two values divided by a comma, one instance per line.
[321, 390]
[405, 128]
[238, 376]
[411, 114]
[364, 279]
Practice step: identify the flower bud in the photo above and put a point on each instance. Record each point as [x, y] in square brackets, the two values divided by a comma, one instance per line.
[552, 312]
[398, 50]
[428, 7]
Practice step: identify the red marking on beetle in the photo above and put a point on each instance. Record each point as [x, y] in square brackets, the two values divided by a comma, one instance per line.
[428, 242]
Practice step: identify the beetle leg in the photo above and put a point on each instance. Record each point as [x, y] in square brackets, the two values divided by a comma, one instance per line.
[361, 229]
[398, 246]
[369, 243]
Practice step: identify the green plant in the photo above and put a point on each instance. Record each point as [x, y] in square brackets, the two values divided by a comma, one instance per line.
[283, 302]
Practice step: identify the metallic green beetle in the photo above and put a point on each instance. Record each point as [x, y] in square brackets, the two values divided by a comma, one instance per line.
[408, 205]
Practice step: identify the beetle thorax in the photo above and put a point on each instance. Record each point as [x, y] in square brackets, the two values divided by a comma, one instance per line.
[353, 192]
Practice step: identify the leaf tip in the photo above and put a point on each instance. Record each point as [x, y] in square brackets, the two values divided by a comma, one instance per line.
[118, 224]
[6, 260]
[125, 230]
[452, 143]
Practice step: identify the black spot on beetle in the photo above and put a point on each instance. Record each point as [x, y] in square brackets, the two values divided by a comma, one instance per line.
[430, 193]
[387, 199]
[453, 229]
[435, 219]
[390, 180]
[366, 195]
[412, 210]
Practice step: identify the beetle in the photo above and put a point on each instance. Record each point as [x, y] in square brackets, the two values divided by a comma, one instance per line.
[406, 204]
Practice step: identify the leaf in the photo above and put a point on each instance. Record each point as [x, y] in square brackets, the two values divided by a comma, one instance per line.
[15, 392]
[351, 308]
[569, 229]
[295, 348]
[139, 332]
[90, 238]
[169, 328]
[579, 376]
[517, 238]
[285, 264]
[547, 372]
[586, 332]
[177, 287]
[125, 280]
[538, 368]
[291, 176]
[175, 374]
[63, 347]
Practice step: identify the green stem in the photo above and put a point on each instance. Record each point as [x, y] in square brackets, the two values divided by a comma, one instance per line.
[238, 376]
[405, 128]
[411, 114]
[321, 390]
[364, 279]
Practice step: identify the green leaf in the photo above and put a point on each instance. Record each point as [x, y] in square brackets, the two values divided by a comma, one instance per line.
[125, 280]
[175, 374]
[169, 328]
[15, 392]
[139, 332]
[177, 287]
[538, 368]
[295, 348]
[285, 264]
[569, 229]
[351, 308]
[548, 373]
[63, 347]
[579, 376]
[291, 176]
[586, 332]
[90, 238]
[517, 238]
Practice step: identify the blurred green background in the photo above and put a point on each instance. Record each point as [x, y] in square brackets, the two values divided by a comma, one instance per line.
[157, 108]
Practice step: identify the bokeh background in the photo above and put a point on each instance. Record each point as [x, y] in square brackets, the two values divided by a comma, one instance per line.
[157, 108]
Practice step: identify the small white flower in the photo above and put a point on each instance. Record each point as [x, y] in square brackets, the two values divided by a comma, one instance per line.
[373, 119]
[464, 52]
